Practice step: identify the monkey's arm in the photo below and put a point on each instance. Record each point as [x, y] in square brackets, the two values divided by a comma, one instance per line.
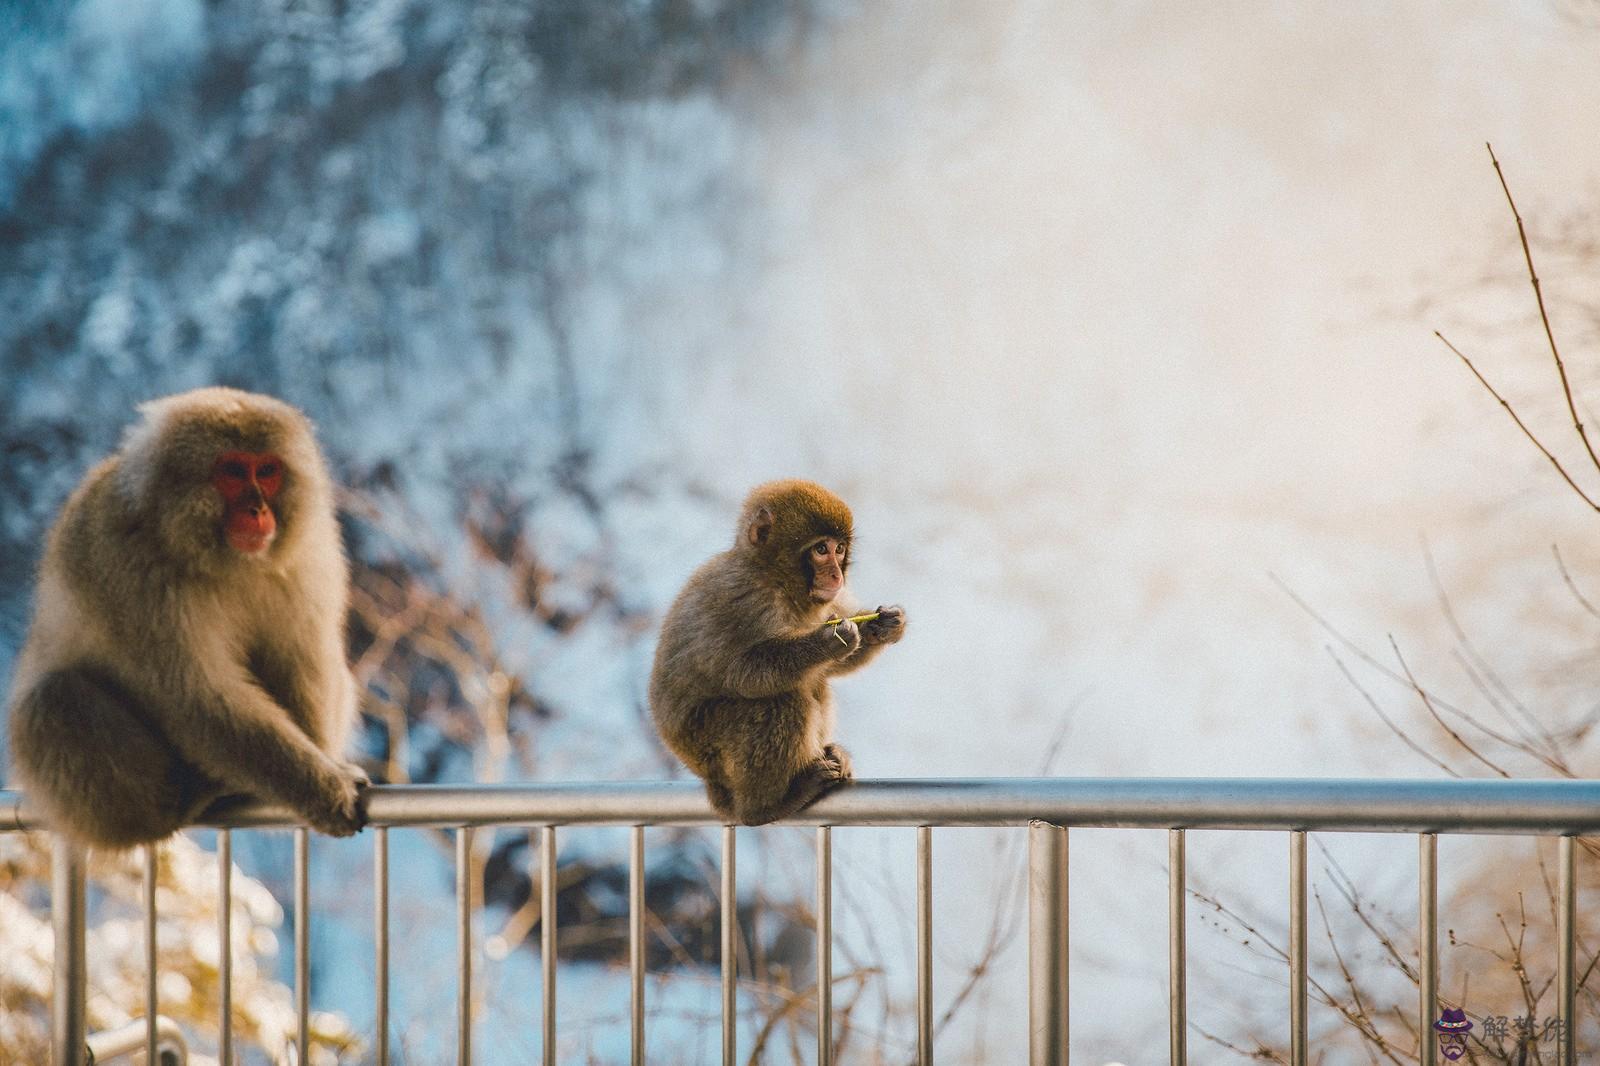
[779, 664]
[311, 681]
[220, 719]
[862, 657]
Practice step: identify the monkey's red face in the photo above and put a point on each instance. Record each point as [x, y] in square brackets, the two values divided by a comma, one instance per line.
[826, 559]
[248, 482]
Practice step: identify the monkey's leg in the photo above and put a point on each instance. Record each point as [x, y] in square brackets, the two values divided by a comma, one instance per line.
[96, 765]
[809, 785]
[778, 766]
[694, 742]
[721, 797]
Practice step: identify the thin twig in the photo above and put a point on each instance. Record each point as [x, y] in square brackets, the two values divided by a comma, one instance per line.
[1517, 966]
[1482, 664]
[1422, 695]
[1526, 432]
[1544, 317]
[1274, 952]
[1377, 710]
[1356, 1014]
[1525, 741]
[1346, 886]
[1262, 1053]
[1394, 675]
[1572, 585]
[790, 1003]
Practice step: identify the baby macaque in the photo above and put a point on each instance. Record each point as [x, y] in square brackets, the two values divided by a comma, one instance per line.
[739, 690]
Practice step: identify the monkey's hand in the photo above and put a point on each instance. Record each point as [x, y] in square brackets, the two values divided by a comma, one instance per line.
[339, 811]
[363, 780]
[887, 628]
[841, 640]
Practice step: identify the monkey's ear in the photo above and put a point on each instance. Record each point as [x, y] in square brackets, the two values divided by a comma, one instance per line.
[760, 526]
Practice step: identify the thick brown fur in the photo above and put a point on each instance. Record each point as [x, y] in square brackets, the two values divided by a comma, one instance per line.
[739, 690]
[163, 669]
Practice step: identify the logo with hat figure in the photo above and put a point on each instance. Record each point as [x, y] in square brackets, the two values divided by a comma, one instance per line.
[1453, 1026]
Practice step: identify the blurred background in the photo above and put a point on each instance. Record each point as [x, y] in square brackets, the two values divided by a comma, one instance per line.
[1114, 325]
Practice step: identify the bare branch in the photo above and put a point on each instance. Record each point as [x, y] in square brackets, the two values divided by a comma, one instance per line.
[1526, 432]
[1355, 1013]
[1377, 710]
[1572, 585]
[1422, 695]
[1262, 1052]
[1544, 317]
[1535, 732]
[1394, 675]
[1352, 896]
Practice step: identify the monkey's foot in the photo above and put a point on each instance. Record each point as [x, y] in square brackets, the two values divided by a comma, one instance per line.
[837, 762]
[827, 784]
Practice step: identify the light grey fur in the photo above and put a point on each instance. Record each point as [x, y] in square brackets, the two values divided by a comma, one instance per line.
[163, 669]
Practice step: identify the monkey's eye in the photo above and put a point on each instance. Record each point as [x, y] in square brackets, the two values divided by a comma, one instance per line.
[821, 550]
[266, 470]
[234, 468]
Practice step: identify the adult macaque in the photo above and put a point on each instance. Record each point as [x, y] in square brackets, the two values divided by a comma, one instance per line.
[188, 631]
[739, 690]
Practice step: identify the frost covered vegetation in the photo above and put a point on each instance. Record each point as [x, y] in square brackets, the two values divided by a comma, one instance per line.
[188, 949]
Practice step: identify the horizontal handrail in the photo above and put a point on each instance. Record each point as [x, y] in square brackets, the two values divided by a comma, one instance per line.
[1541, 807]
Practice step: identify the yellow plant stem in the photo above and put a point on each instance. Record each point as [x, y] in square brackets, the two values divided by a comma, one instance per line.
[856, 618]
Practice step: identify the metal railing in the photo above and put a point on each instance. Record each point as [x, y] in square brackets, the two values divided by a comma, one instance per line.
[121, 1045]
[1047, 806]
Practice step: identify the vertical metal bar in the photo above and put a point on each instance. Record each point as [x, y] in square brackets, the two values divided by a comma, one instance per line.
[1047, 945]
[824, 946]
[150, 964]
[380, 939]
[302, 944]
[67, 866]
[548, 889]
[225, 946]
[1427, 947]
[924, 945]
[1177, 949]
[1566, 931]
[1297, 948]
[636, 940]
[464, 946]
[730, 940]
